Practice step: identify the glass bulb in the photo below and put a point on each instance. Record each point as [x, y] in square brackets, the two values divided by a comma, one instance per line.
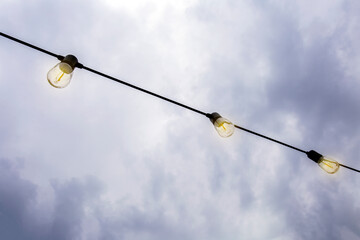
[224, 127]
[60, 75]
[329, 166]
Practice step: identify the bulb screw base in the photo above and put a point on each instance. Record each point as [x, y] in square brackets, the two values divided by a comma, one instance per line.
[213, 116]
[315, 156]
[71, 60]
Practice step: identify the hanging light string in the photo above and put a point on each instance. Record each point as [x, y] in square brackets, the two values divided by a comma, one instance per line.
[79, 65]
[308, 153]
[316, 157]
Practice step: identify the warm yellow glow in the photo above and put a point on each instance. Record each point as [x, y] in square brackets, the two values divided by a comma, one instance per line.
[330, 166]
[224, 127]
[60, 75]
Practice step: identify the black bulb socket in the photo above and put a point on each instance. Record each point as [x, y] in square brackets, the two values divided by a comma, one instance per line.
[315, 156]
[213, 116]
[71, 60]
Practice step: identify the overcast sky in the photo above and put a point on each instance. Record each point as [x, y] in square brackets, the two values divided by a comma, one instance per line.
[98, 160]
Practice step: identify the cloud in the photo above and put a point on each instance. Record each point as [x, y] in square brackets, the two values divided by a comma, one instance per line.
[80, 211]
[17, 197]
[287, 70]
[22, 217]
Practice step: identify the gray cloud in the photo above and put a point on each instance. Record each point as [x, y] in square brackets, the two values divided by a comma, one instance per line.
[22, 218]
[17, 196]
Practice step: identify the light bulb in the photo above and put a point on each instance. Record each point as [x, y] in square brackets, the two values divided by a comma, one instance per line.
[60, 75]
[330, 166]
[224, 127]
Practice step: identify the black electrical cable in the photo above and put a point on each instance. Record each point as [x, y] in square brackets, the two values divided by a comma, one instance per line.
[79, 65]
[32, 46]
[349, 168]
[271, 139]
[143, 90]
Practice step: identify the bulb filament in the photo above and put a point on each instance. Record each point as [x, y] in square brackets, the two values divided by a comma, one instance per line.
[59, 78]
[327, 165]
[222, 125]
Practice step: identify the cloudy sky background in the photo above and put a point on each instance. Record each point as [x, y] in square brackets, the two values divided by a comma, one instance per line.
[98, 160]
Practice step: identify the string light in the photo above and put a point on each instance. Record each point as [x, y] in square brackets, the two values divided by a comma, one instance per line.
[224, 127]
[60, 76]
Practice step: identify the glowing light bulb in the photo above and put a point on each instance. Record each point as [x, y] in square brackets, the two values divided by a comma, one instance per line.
[330, 166]
[224, 127]
[60, 75]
